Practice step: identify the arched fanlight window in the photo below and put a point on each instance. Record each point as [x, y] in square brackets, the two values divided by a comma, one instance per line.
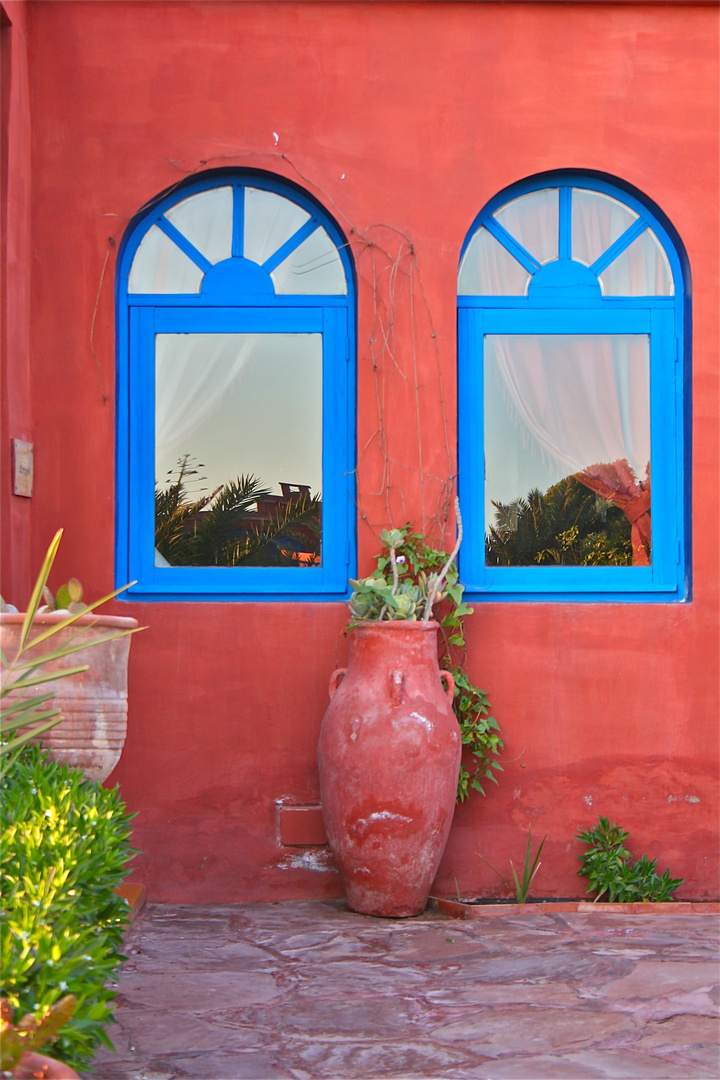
[572, 421]
[235, 448]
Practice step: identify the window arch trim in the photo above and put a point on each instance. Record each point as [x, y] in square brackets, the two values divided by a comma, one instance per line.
[649, 217]
[665, 318]
[143, 314]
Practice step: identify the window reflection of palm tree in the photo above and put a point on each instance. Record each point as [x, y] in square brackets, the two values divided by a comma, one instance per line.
[566, 525]
[239, 523]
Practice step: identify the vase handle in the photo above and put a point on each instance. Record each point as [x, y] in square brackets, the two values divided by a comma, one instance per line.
[337, 674]
[450, 688]
[397, 683]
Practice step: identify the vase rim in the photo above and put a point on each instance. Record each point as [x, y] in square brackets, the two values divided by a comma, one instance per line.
[47, 618]
[414, 626]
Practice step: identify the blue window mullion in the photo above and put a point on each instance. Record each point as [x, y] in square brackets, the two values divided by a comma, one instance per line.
[565, 223]
[580, 320]
[122, 442]
[227, 320]
[517, 250]
[238, 233]
[663, 463]
[334, 448]
[184, 244]
[198, 300]
[471, 453]
[619, 246]
[142, 444]
[289, 246]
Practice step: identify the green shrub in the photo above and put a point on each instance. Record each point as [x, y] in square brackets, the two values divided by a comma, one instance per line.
[65, 846]
[608, 866]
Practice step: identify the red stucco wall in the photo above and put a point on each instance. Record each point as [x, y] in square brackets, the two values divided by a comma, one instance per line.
[15, 276]
[407, 116]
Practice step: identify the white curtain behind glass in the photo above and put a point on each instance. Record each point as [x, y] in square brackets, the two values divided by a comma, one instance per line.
[186, 391]
[584, 399]
[597, 222]
[533, 220]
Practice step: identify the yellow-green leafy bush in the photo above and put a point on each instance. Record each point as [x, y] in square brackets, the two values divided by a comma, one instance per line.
[65, 846]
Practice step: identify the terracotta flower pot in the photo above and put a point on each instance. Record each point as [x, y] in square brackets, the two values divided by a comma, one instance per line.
[94, 703]
[32, 1065]
[389, 757]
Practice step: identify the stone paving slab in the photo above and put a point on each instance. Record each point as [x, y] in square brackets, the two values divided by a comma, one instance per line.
[306, 990]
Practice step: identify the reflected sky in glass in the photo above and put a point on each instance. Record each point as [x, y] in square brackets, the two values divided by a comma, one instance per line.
[239, 404]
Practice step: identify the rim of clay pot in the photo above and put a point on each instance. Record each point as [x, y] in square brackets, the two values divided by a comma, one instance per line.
[395, 625]
[47, 618]
[34, 1064]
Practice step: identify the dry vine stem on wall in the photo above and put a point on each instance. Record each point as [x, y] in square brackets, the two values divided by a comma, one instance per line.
[398, 484]
[399, 303]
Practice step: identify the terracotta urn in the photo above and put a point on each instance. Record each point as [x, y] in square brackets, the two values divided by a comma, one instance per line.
[93, 703]
[33, 1065]
[389, 756]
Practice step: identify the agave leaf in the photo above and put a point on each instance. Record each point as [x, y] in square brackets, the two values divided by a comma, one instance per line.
[32, 733]
[29, 679]
[67, 650]
[14, 705]
[39, 586]
[26, 721]
[57, 627]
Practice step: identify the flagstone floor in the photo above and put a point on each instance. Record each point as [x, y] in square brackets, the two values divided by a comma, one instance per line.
[305, 990]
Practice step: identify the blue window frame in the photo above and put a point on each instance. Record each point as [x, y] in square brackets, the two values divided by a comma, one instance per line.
[573, 390]
[235, 336]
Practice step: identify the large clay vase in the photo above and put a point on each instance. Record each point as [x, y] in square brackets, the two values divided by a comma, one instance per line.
[389, 757]
[93, 703]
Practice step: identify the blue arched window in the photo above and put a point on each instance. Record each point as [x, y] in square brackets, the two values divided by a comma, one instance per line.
[235, 315]
[572, 417]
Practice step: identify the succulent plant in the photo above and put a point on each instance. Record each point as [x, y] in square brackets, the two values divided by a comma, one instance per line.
[68, 598]
[384, 596]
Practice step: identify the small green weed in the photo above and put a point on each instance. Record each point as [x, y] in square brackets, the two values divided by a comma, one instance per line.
[530, 869]
[608, 866]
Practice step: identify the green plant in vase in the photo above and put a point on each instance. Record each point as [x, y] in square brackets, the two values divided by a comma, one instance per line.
[411, 578]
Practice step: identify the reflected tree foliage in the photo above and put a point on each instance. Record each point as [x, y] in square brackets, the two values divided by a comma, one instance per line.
[239, 523]
[567, 525]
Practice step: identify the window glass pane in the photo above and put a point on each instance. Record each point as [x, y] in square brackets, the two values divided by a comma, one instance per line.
[533, 220]
[488, 269]
[642, 269]
[160, 266]
[206, 221]
[314, 268]
[597, 222]
[233, 406]
[567, 450]
[270, 220]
